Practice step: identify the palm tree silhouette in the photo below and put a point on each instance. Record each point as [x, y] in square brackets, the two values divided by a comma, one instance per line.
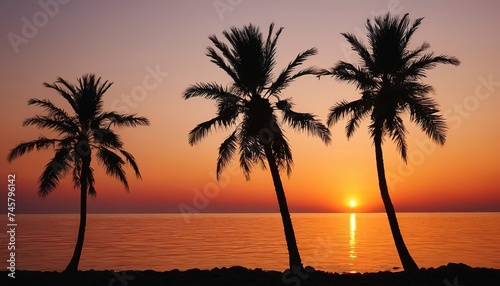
[246, 106]
[80, 134]
[390, 80]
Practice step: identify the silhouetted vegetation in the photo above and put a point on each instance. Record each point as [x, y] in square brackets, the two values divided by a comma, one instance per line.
[82, 133]
[390, 80]
[451, 274]
[253, 108]
[249, 105]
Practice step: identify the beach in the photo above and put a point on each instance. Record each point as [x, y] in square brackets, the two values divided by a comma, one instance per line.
[450, 275]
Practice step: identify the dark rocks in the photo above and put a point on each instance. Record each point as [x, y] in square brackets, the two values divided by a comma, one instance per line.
[450, 275]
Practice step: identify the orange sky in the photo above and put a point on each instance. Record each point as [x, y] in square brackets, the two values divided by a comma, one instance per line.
[123, 42]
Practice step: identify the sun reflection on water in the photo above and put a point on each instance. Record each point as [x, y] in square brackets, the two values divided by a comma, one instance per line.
[352, 236]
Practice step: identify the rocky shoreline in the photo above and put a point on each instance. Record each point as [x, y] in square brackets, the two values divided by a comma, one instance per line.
[449, 275]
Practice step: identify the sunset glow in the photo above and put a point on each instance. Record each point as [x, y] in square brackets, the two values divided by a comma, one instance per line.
[153, 52]
[352, 203]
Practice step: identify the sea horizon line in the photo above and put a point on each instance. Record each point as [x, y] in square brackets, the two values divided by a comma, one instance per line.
[231, 212]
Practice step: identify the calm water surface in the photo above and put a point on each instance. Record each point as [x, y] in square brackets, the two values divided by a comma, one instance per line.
[331, 242]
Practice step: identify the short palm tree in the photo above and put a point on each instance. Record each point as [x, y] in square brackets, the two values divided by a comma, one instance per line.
[80, 135]
[249, 105]
[390, 80]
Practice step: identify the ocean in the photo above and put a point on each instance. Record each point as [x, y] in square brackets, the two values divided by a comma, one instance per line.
[340, 242]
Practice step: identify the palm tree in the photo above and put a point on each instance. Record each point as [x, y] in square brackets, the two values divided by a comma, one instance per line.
[249, 105]
[390, 80]
[86, 131]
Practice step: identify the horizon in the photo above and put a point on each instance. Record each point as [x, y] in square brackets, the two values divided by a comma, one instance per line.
[267, 212]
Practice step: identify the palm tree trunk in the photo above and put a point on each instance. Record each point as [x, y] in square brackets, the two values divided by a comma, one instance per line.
[75, 260]
[293, 251]
[407, 261]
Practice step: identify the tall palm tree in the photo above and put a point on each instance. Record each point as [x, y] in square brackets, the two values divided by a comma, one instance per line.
[86, 131]
[390, 80]
[249, 105]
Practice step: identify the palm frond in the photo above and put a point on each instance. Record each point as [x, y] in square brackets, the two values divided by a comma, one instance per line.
[360, 49]
[106, 137]
[344, 108]
[397, 131]
[203, 129]
[24, 147]
[250, 64]
[91, 182]
[129, 120]
[424, 112]
[55, 169]
[418, 67]
[286, 77]
[113, 165]
[219, 61]
[249, 59]
[226, 52]
[77, 170]
[132, 162]
[88, 98]
[409, 30]
[410, 55]
[390, 76]
[376, 129]
[228, 110]
[304, 122]
[354, 75]
[66, 94]
[282, 153]
[353, 123]
[53, 111]
[226, 152]
[101, 89]
[86, 101]
[270, 48]
[249, 148]
[50, 122]
[209, 91]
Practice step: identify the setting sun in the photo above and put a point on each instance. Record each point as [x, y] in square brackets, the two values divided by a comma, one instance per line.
[352, 203]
